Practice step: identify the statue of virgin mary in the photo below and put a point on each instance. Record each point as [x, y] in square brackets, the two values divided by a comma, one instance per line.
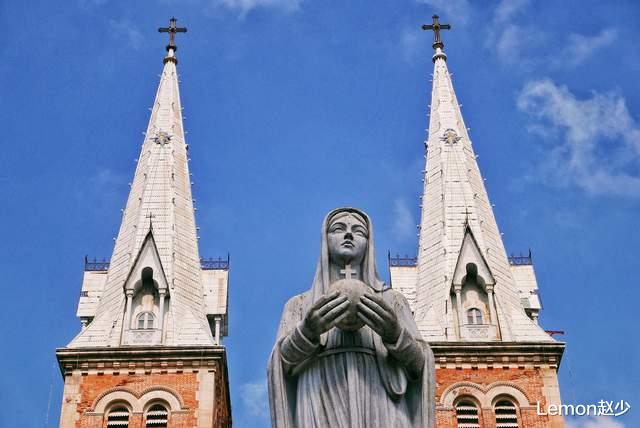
[348, 353]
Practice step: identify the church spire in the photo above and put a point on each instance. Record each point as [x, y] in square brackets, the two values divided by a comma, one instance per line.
[157, 244]
[459, 238]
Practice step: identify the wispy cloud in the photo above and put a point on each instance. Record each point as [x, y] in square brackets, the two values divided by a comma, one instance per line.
[106, 179]
[509, 39]
[507, 9]
[254, 398]
[460, 10]
[580, 48]
[412, 42]
[90, 3]
[593, 422]
[243, 7]
[598, 141]
[126, 32]
[404, 225]
[518, 43]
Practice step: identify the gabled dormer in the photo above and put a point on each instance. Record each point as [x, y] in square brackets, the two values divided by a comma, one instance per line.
[472, 298]
[147, 297]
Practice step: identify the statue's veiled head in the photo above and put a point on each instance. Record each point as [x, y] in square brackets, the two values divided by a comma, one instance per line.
[347, 245]
[347, 237]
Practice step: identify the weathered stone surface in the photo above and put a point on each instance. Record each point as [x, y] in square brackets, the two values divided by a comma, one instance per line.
[353, 290]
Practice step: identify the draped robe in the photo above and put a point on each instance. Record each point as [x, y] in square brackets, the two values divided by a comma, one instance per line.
[350, 379]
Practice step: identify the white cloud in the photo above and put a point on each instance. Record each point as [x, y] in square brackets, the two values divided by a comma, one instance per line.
[599, 148]
[450, 10]
[254, 398]
[412, 42]
[518, 43]
[510, 40]
[245, 6]
[507, 9]
[579, 48]
[126, 31]
[107, 179]
[593, 422]
[90, 3]
[404, 226]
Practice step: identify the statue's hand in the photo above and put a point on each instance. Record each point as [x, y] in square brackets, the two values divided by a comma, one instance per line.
[323, 314]
[380, 317]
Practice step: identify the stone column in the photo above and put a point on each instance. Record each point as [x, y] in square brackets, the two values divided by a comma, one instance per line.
[217, 330]
[161, 311]
[492, 307]
[458, 290]
[127, 320]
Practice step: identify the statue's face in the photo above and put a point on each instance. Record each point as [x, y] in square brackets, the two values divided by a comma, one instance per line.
[347, 238]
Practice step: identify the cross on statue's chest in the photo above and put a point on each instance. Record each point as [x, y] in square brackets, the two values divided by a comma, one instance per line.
[348, 272]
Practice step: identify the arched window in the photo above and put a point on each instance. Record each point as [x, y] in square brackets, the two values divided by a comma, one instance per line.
[157, 417]
[145, 321]
[474, 316]
[118, 417]
[467, 414]
[506, 414]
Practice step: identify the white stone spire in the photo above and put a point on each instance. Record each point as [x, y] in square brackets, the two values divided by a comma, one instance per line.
[459, 237]
[157, 243]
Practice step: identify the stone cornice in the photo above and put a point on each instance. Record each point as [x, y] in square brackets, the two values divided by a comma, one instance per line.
[497, 354]
[140, 359]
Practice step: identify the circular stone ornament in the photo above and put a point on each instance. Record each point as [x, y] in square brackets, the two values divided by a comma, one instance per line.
[354, 289]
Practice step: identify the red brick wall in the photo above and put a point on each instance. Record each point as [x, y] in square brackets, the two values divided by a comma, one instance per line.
[528, 380]
[185, 384]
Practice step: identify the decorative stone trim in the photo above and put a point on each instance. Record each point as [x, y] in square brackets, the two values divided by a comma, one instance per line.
[140, 360]
[168, 390]
[497, 355]
[458, 389]
[484, 395]
[138, 402]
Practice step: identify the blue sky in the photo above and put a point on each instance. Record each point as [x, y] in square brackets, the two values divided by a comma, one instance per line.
[294, 107]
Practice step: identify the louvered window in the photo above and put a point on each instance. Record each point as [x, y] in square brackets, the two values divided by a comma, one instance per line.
[467, 415]
[118, 418]
[506, 414]
[157, 417]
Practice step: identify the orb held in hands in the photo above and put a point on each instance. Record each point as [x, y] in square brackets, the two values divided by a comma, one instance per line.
[353, 289]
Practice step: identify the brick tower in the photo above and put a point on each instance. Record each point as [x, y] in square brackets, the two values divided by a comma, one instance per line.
[476, 307]
[150, 351]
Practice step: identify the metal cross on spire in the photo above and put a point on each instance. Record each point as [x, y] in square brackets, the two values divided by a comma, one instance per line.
[436, 26]
[172, 30]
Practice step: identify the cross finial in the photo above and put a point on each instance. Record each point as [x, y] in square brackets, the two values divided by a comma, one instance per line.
[436, 26]
[172, 29]
[150, 216]
[347, 271]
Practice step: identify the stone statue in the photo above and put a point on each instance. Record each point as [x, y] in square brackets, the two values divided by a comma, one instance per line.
[348, 352]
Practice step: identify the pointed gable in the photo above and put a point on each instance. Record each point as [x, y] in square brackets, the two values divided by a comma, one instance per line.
[148, 258]
[470, 254]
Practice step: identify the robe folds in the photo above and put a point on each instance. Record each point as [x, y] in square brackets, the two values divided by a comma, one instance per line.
[350, 379]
